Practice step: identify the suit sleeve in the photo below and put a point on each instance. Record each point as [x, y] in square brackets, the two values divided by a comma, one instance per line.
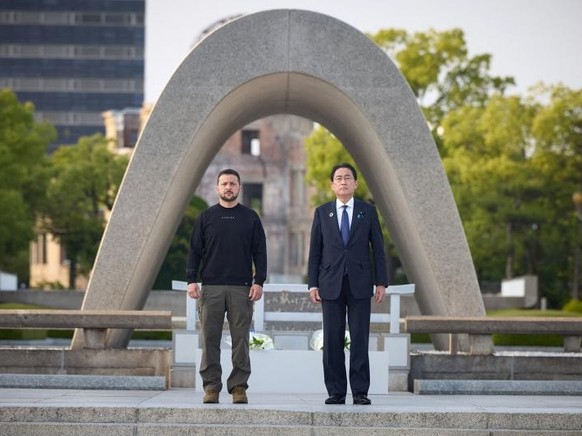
[315, 250]
[377, 242]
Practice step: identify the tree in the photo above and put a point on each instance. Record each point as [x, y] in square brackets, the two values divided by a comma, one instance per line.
[442, 77]
[23, 144]
[324, 150]
[513, 166]
[486, 159]
[440, 71]
[174, 265]
[557, 128]
[83, 185]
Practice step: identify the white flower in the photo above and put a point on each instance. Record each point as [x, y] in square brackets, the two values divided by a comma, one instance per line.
[316, 341]
[257, 341]
[260, 341]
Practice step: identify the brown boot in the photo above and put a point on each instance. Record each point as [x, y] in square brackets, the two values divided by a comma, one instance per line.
[239, 395]
[210, 396]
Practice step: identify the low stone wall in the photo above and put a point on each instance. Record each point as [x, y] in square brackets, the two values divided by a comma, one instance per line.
[499, 366]
[175, 301]
[120, 362]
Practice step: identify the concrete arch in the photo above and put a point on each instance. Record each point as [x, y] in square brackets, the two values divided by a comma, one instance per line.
[303, 63]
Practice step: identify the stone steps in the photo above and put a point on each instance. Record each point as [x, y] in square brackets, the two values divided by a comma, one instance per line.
[403, 424]
[176, 412]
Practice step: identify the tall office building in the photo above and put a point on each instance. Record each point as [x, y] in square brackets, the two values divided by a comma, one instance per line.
[73, 59]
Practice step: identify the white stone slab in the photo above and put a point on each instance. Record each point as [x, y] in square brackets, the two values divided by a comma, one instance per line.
[185, 347]
[298, 371]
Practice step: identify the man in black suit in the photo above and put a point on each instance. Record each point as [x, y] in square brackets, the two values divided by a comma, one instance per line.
[342, 272]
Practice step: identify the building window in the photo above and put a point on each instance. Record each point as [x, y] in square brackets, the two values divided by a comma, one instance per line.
[251, 144]
[130, 138]
[63, 254]
[130, 129]
[39, 255]
[253, 196]
[88, 18]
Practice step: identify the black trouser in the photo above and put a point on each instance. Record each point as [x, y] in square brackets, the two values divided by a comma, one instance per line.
[334, 326]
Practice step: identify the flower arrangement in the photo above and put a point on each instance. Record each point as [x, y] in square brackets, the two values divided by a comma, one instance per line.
[260, 341]
[257, 341]
[316, 341]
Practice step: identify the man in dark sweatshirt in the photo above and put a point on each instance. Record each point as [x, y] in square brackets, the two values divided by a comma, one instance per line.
[227, 240]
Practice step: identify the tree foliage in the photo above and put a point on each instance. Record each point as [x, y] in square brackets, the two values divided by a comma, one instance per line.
[485, 157]
[324, 151]
[438, 68]
[82, 188]
[23, 143]
[513, 161]
[441, 75]
[513, 166]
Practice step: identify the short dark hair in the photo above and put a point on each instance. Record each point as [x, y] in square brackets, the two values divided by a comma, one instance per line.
[343, 165]
[228, 171]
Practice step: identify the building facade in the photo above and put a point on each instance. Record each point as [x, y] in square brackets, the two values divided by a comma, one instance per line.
[73, 59]
[123, 127]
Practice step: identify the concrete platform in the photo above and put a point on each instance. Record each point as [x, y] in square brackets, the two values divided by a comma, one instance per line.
[181, 412]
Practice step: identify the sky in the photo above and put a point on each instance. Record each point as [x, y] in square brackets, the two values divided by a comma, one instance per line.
[530, 40]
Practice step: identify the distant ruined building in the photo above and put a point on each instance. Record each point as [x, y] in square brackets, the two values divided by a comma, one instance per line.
[269, 154]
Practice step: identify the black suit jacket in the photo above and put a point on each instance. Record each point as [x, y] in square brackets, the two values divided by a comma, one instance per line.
[363, 256]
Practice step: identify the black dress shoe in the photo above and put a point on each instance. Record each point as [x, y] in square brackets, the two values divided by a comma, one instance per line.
[336, 399]
[362, 400]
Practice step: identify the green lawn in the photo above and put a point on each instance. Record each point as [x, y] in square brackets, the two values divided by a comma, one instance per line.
[530, 340]
[533, 312]
[13, 306]
[26, 334]
[517, 340]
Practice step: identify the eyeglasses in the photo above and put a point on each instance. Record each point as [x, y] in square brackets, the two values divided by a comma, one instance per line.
[344, 178]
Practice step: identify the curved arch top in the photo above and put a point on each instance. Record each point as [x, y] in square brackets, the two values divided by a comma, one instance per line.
[303, 63]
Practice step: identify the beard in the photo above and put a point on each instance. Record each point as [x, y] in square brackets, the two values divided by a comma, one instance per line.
[229, 197]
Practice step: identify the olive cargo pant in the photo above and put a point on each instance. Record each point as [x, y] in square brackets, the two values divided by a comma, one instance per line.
[215, 301]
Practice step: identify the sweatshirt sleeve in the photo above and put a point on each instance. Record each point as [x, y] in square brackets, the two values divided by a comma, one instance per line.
[195, 250]
[259, 253]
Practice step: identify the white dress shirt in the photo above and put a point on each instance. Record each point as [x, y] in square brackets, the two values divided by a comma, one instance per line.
[339, 206]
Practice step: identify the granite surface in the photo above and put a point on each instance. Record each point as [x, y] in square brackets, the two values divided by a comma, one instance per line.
[314, 66]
